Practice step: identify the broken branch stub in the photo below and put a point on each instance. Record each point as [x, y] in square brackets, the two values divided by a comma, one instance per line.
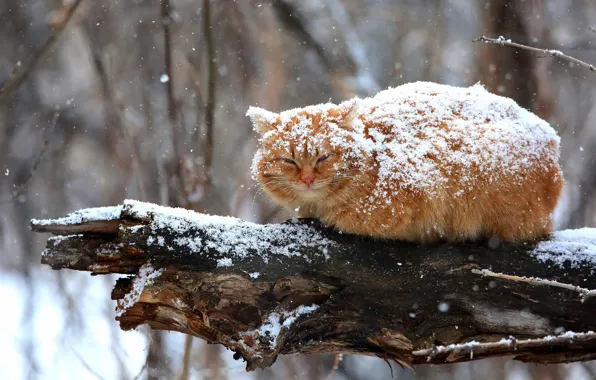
[299, 288]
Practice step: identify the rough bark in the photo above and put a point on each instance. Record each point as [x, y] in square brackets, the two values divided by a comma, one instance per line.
[398, 301]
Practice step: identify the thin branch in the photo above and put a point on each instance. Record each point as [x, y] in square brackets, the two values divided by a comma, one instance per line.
[143, 368]
[44, 147]
[505, 345]
[585, 293]
[22, 72]
[553, 53]
[87, 366]
[593, 29]
[211, 92]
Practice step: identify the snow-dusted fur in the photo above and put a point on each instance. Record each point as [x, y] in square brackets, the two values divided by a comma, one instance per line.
[421, 162]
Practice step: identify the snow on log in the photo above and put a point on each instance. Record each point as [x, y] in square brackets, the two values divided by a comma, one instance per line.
[300, 288]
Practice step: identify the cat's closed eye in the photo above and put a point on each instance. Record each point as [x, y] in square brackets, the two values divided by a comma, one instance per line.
[323, 158]
[288, 161]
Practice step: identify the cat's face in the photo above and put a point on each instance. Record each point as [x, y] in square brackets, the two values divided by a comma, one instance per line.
[304, 156]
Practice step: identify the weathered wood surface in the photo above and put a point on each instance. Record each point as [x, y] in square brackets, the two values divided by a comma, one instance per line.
[397, 301]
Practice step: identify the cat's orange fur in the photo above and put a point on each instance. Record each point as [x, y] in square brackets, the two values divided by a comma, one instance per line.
[513, 200]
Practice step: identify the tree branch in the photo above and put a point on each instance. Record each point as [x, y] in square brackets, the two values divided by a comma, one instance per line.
[299, 288]
[553, 53]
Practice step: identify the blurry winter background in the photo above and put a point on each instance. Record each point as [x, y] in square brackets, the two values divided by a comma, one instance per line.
[140, 100]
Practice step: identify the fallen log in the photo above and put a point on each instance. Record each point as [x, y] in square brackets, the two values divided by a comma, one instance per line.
[300, 288]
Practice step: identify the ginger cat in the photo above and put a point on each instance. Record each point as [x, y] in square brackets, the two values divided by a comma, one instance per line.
[421, 162]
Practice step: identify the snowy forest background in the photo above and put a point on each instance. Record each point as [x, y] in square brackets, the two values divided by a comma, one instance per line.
[133, 94]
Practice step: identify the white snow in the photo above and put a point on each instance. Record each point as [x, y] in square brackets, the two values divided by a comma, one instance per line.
[224, 262]
[258, 115]
[271, 328]
[82, 216]
[494, 135]
[452, 347]
[147, 274]
[227, 235]
[59, 239]
[443, 307]
[502, 40]
[572, 247]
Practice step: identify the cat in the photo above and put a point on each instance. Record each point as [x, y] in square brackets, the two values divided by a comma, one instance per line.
[422, 162]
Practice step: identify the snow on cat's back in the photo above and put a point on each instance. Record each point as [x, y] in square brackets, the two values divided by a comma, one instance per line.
[421, 162]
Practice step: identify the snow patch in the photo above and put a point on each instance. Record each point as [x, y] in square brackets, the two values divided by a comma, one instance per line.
[488, 133]
[146, 276]
[59, 239]
[572, 247]
[226, 235]
[83, 216]
[271, 328]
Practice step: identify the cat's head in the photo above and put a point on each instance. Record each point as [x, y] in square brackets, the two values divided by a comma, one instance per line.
[307, 155]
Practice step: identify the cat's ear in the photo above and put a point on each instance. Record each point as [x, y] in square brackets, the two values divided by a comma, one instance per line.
[345, 114]
[262, 120]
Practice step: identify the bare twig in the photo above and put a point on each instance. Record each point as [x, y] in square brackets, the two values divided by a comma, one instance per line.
[22, 72]
[87, 366]
[473, 347]
[593, 29]
[553, 53]
[143, 368]
[211, 77]
[585, 293]
[20, 189]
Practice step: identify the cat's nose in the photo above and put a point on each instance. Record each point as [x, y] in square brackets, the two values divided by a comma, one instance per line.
[308, 180]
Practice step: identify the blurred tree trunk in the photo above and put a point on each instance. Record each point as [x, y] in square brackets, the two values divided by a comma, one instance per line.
[156, 359]
[507, 72]
[517, 74]
[211, 362]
